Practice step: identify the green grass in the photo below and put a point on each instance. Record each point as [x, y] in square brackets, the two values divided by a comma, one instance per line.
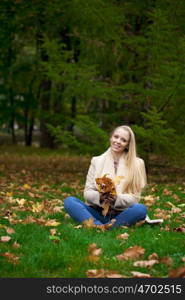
[40, 256]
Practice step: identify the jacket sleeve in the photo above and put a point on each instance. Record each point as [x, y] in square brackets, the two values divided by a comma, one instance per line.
[126, 199]
[91, 193]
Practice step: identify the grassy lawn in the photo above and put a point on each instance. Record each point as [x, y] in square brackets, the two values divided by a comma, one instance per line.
[38, 239]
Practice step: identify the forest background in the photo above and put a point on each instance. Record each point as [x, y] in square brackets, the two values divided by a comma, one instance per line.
[72, 70]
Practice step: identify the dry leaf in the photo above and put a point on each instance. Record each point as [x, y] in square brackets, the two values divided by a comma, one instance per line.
[169, 204]
[149, 200]
[10, 230]
[123, 236]
[78, 226]
[175, 210]
[93, 250]
[166, 228]
[179, 229]
[9, 194]
[12, 258]
[53, 231]
[15, 245]
[153, 256]
[145, 263]
[166, 260]
[5, 239]
[140, 275]
[31, 195]
[52, 222]
[140, 223]
[57, 209]
[37, 207]
[89, 223]
[93, 258]
[167, 192]
[131, 253]
[26, 186]
[101, 273]
[21, 202]
[177, 273]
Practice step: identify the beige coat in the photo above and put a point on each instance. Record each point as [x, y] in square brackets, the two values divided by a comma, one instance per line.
[104, 164]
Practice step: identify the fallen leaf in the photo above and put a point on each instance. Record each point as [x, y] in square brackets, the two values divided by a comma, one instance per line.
[93, 250]
[101, 273]
[89, 223]
[26, 186]
[145, 263]
[140, 275]
[175, 210]
[10, 230]
[169, 204]
[140, 223]
[15, 245]
[12, 258]
[153, 256]
[53, 231]
[37, 207]
[5, 239]
[52, 223]
[78, 226]
[123, 236]
[179, 229]
[31, 195]
[21, 202]
[9, 194]
[177, 273]
[167, 192]
[166, 260]
[57, 209]
[131, 253]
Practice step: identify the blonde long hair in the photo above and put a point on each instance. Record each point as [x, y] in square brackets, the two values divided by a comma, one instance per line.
[136, 177]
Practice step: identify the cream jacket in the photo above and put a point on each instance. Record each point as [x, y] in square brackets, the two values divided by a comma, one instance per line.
[104, 164]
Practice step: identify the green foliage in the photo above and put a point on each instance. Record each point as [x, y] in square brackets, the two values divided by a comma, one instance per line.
[86, 137]
[155, 136]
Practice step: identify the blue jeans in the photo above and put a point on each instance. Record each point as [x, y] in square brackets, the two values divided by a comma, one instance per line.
[80, 212]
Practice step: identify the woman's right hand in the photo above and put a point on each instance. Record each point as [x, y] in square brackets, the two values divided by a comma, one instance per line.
[108, 198]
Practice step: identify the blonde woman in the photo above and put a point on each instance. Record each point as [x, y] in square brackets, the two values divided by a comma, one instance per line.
[119, 161]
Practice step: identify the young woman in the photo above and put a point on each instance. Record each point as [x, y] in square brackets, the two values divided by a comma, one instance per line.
[118, 161]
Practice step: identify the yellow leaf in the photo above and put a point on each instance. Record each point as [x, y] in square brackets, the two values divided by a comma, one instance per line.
[9, 194]
[26, 186]
[21, 201]
[89, 223]
[37, 207]
[52, 222]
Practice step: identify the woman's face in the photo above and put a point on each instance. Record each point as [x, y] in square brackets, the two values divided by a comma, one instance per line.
[119, 140]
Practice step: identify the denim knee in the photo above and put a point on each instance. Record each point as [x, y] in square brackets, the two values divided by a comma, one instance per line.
[142, 210]
[69, 201]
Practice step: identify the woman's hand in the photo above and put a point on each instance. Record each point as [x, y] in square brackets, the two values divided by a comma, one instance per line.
[107, 197]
